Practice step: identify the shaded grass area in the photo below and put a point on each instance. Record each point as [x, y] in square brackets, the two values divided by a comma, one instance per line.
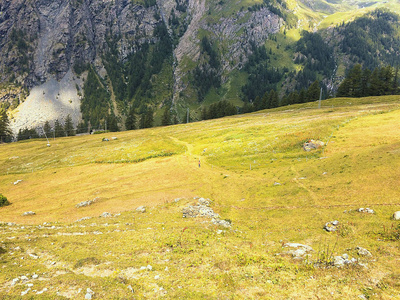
[287, 195]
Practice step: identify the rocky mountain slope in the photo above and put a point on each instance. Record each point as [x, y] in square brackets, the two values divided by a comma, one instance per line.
[145, 54]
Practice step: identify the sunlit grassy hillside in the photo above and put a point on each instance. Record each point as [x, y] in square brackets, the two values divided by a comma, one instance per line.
[257, 175]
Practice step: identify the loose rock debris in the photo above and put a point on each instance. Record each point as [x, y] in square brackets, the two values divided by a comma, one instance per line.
[203, 209]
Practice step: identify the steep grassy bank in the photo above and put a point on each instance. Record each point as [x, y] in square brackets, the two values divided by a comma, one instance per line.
[258, 176]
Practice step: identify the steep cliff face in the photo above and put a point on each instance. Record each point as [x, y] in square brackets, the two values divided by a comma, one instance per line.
[42, 39]
[46, 42]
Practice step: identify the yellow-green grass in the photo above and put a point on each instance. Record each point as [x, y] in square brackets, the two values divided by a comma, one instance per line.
[242, 159]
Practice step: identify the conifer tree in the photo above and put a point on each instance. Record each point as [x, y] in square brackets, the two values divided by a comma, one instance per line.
[166, 118]
[313, 91]
[5, 131]
[47, 128]
[131, 120]
[58, 129]
[274, 99]
[69, 126]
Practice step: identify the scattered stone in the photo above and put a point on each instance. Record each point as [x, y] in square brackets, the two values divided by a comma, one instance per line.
[130, 288]
[83, 219]
[42, 291]
[157, 277]
[363, 252]
[105, 140]
[35, 276]
[29, 213]
[86, 203]
[299, 250]
[24, 278]
[396, 215]
[203, 209]
[25, 292]
[177, 199]
[114, 138]
[18, 181]
[331, 226]
[325, 173]
[223, 223]
[14, 281]
[106, 215]
[149, 267]
[89, 294]
[141, 209]
[340, 261]
[366, 210]
[276, 183]
[205, 202]
[33, 256]
[312, 144]
[199, 210]
[29, 285]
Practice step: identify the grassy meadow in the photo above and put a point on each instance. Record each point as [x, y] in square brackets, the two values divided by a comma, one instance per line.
[257, 175]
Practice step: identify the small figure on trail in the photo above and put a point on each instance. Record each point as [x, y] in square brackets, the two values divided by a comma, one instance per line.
[199, 163]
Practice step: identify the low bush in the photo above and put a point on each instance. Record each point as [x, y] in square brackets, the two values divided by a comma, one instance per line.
[3, 201]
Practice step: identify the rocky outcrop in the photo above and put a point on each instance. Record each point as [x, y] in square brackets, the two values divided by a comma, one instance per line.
[42, 42]
[54, 35]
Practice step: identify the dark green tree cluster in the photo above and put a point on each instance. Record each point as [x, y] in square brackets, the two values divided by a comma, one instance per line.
[95, 104]
[26, 134]
[131, 119]
[131, 78]
[316, 56]
[5, 130]
[59, 130]
[372, 39]
[218, 110]
[262, 78]
[271, 99]
[146, 118]
[166, 117]
[362, 82]
[20, 41]
[206, 75]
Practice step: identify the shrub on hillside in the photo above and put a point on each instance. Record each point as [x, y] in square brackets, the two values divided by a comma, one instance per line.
[3, 201]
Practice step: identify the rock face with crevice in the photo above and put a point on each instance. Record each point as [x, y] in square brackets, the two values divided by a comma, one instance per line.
[43, 42]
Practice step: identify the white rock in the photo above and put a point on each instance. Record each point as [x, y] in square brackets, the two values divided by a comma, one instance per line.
[29, 285]
[35, 276]
[106, 215]
[42, 291]
[25, 292]
[149, 267]
[157, 277]
[24, 278]
[363, 252]
[396, 215]
[14, 281]
[29, 213]
[141, 209]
